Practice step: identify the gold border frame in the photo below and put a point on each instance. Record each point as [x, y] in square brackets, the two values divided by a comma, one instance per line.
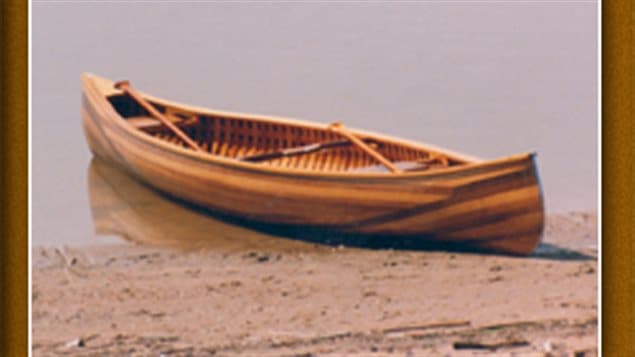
[618, 86]
[618, 211]
[14, 208]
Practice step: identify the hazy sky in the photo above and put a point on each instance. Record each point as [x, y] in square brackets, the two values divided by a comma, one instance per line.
[482, 77]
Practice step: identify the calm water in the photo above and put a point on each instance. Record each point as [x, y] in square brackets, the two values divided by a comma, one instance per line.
[123, 207]
[485, 78]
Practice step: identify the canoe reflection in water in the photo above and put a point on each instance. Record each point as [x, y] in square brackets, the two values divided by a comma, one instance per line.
[122, 205]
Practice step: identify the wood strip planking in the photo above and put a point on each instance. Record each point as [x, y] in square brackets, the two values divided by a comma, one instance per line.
[439, 215]
[526, 221]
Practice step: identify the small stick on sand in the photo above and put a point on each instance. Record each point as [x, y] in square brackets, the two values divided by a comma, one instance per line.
[430, 325]
[69, 264]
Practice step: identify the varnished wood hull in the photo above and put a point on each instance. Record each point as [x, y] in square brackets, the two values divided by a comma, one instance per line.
[488, 204]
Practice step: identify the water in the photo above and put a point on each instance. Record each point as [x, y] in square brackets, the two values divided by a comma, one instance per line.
[485, 78]
[124, 207]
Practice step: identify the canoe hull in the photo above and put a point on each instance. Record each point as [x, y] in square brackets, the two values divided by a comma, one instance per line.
[495, 205]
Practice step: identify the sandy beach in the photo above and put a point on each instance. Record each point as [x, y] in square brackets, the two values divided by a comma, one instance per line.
[319, 300]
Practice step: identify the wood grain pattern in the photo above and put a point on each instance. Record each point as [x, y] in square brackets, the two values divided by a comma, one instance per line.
[494, 204]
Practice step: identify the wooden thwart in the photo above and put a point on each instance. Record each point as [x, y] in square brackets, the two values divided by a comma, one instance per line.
[466, 345]
[339, 128]
[125, 86]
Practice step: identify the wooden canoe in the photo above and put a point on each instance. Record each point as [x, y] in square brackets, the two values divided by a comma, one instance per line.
[285, 171]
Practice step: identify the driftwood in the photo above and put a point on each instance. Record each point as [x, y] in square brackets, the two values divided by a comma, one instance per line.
[470, 345]
[426, 326]
[302, 339]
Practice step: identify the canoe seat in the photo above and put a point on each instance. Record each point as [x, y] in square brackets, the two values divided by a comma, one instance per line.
[146, 122]
[142, 122]
[408, 166]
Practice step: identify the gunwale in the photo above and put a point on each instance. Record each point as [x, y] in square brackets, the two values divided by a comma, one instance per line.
[96, 91]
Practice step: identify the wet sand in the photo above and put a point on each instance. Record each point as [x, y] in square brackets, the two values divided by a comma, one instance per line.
[315, 300]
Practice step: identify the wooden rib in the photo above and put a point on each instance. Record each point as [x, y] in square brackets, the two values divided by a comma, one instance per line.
[331, 161]
[365, 159]
[222, 148]
[337, 164]
[284, 161]
[319, 156]
[299, 161]
[337, 160]
[345, 159]
[315, 162]
[322, 161]
[217, 136]
[306, 163]
[232, 149]
[240, 148]
[310, 137]
[228, 137]
[212, 134]
[252, 150]
[352, 160]
[293, 161]
[302, 162]
[310, 162]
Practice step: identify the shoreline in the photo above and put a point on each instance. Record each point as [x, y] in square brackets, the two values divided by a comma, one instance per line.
[307, 299]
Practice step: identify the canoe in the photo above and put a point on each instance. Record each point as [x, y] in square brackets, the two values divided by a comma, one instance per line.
[292, 172]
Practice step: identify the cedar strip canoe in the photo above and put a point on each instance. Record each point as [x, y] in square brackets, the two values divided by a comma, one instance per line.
[286, 171]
